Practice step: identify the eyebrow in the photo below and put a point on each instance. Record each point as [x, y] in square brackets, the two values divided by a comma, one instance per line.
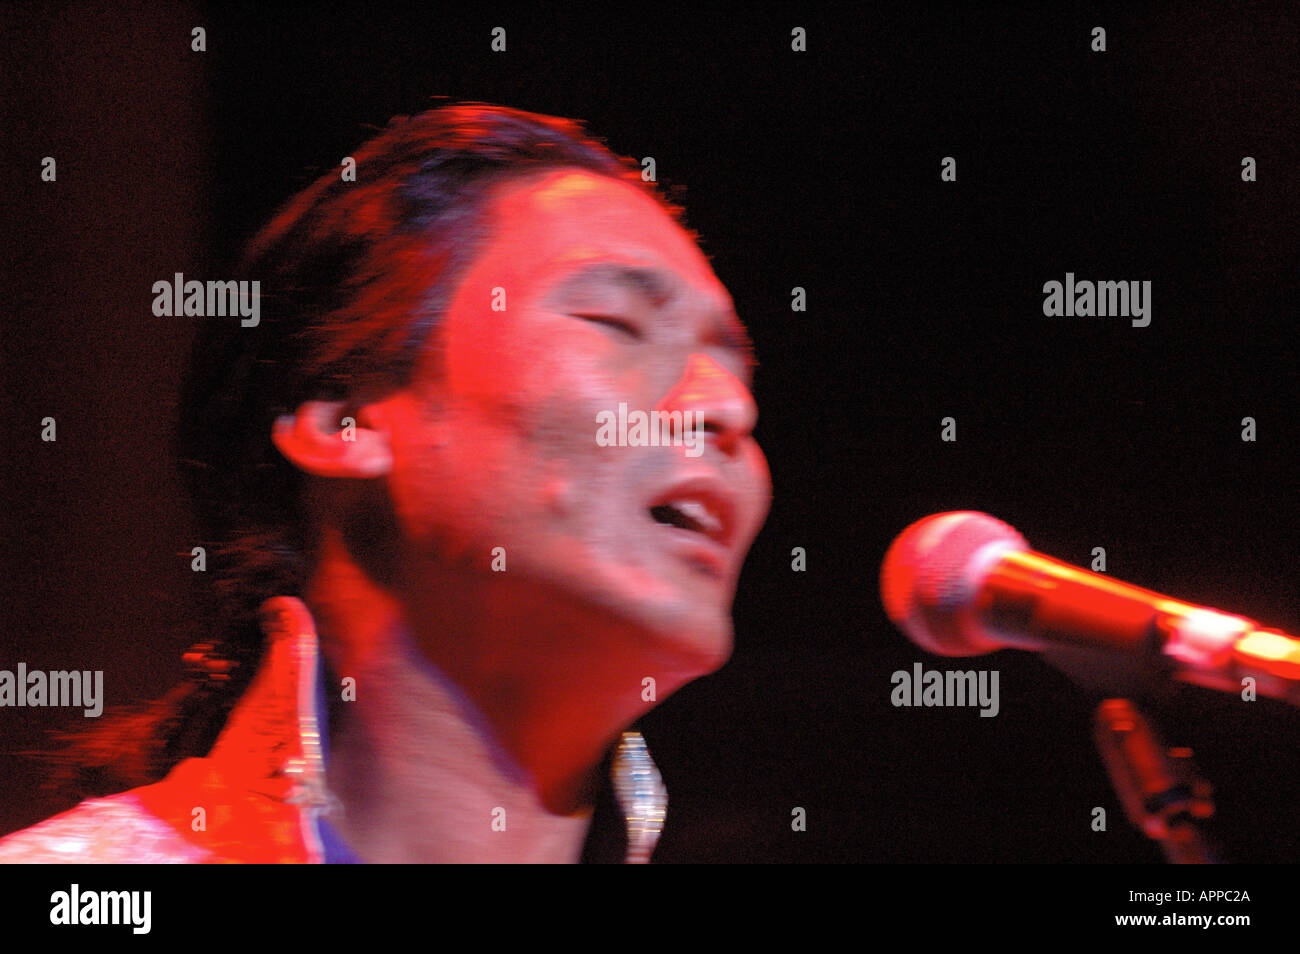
[648, 283]
[652, 285]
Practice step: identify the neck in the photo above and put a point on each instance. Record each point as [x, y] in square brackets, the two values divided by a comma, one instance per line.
[420, 778]
[460, 746]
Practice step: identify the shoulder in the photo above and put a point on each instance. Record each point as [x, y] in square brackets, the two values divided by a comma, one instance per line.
[114, 830]
[254, 798]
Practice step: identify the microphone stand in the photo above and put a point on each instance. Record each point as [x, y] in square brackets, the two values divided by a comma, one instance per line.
[1159, 789]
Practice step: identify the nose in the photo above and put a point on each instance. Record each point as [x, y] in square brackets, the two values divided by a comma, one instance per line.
[721, 403]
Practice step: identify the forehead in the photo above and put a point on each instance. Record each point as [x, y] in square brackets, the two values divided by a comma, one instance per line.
[547, 225]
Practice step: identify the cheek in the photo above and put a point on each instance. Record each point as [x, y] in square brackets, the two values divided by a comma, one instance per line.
[563, 467]
[448, 483]
[762, 476]
[559, 396]
[521, 429]
[425, 490]
[579, 490]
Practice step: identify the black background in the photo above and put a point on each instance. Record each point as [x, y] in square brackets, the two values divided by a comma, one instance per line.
[817, 169]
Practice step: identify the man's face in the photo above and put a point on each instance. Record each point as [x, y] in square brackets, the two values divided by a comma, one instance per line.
[588, 296]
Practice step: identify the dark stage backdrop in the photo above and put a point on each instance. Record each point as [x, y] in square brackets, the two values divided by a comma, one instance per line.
[819, 169]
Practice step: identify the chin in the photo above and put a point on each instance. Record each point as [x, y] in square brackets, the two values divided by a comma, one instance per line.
[693, 644]
[680, 631]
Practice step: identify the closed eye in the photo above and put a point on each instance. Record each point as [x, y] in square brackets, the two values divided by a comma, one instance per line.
[621, 324]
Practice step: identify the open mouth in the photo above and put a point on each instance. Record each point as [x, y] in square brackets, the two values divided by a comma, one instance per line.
[687, 514]
[697, 509]
[694, 517]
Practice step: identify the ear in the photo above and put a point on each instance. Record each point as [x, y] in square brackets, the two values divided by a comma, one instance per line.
[326, 439]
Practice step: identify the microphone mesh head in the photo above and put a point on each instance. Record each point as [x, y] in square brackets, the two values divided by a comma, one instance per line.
[926, 580]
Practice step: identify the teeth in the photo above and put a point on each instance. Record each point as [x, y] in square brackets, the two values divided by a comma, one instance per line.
[699, 513]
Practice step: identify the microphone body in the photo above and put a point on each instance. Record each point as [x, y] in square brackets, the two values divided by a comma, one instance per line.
[964, 583]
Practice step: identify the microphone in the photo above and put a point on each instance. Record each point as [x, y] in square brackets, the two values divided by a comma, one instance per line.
[964, 583]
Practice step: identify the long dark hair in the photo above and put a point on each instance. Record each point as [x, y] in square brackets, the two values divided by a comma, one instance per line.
[354, 278]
